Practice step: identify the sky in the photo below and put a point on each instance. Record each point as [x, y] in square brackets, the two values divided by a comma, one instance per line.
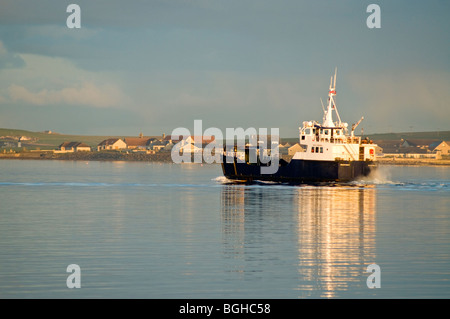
[152, 66]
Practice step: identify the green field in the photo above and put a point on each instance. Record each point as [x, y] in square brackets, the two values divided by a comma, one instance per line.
[437, 135]
[52, 141]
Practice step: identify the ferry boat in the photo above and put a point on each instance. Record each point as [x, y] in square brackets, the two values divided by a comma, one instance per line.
[330, 153]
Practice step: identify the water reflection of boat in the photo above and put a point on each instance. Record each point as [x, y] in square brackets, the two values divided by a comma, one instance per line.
[325, 234]
[336, 230]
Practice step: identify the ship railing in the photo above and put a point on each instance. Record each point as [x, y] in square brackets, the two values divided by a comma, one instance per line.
[353, 140]
[341, 140]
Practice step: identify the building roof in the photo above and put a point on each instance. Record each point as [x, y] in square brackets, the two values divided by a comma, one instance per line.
[136, 141]
[175, 140]
[109, 141]
[158, 142]
[417, 142]
[73, 145]
[295, 145]
[151, 140]
[434, 146]
[203, 139]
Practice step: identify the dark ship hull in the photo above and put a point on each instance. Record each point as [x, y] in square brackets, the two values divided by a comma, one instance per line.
[299, 171]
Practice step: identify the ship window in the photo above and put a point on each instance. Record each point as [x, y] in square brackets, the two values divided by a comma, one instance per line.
[321, 131]
[317, 150]
[307, 131]
[303, 137]
[326, 132]
[321, 150]
[312, 149]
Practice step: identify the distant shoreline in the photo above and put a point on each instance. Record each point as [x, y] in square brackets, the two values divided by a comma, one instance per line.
[91, 156]
[165, 157]
[413, 161]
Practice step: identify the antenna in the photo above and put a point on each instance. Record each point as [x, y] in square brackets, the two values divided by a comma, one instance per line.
[328, 116]
[323, 107]
[335, 73]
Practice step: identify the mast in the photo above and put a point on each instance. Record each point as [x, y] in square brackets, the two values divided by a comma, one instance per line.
[328, 117]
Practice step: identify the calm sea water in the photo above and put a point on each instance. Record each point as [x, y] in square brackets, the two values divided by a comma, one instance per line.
[150, 230]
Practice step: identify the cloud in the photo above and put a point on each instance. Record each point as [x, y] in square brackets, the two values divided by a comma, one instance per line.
[236, 63]
[9, 60]
[86, 94]
[50, 81]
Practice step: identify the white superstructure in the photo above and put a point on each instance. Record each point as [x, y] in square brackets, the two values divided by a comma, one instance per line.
[330, 141]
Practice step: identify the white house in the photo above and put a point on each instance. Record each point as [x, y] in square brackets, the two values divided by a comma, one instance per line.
[189, 148]
[443, 147]
[204, 140]
[294, 149]
[74, 147]
[157, 145]
[111, 144]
